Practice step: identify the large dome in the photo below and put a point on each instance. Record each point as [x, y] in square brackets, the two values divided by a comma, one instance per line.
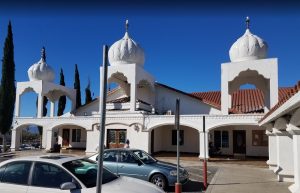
[248, 47]
[41, 70]
[126, 51]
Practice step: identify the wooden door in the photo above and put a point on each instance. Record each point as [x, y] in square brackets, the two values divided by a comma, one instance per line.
[66, 137]
[239, 141]
[116, 138]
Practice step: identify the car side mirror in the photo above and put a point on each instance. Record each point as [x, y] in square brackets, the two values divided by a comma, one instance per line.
[68, 186]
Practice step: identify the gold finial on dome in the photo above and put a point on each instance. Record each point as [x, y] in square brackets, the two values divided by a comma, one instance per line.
[247, 22]
[127, 25]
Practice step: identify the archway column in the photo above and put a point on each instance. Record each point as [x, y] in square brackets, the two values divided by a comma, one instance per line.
[52, 108]
[203, 146]
[284, 157]
[40, 106]
[272, 162]
[15, 139]
[295, 132]
[49, 141]
[17, 105]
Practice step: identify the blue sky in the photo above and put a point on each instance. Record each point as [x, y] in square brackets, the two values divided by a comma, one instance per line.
[184, 44]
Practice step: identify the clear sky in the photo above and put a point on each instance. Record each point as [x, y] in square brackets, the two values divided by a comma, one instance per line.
[184, 43]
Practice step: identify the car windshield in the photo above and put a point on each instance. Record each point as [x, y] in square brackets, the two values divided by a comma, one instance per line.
[86, 171]
[144, 157]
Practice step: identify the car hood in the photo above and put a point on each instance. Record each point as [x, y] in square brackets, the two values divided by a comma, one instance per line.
[130, 185]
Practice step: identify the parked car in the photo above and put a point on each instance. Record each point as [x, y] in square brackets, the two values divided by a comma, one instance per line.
[59, 174]
[25, 147]
[139, 164]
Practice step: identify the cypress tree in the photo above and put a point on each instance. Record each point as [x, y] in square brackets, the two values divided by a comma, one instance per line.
[62, 100]
[7, 88]
[88, 95]
[77, 87]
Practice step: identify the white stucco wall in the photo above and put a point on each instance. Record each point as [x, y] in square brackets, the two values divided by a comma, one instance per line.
[88, 109]
[165, 100]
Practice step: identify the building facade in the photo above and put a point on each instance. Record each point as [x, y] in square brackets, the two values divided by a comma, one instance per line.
[142, 110]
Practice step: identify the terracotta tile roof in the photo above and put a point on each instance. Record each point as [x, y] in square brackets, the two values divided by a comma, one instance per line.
[243, 101]
[283, 99]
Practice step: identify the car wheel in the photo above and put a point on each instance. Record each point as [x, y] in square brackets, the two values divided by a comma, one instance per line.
[159, 180]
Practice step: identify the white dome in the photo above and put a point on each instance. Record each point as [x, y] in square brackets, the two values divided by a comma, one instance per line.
[41, 70]
[248, 47]
[126, 51]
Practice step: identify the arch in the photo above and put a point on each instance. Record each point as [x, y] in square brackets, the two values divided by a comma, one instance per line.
[247, 77]
[21, 126]
[163, 138]
[295, 120]
[27, 89]
[118, 77]
[247, 69]
[214, 126]
[171, 123]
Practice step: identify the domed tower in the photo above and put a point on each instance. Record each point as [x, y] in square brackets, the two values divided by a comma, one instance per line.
[249, 65]
[127, 58]
[41, 77]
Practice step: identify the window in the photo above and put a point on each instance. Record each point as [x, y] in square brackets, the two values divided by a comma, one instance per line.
[49, 176]
[110, 156]
[225, 139]
[221, 139]
[76, 135]
[16, 173]
[259, 138]
[174, 137]
[127, 157]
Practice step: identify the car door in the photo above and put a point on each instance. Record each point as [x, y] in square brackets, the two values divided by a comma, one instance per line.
[14, 177]
[47, 177]
[129, 165]
[110, 160]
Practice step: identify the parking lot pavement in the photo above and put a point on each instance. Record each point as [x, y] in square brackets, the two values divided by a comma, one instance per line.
[195, 169]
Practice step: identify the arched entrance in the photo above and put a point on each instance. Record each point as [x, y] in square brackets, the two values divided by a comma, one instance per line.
[164, 139]
[69, 136]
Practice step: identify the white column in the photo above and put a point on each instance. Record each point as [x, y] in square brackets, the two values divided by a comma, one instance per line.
[132, 95]
[295, 188]
[52, 108]
[285, 162]
[224, 90]
[202, 145]
[272, 162]
[44, 138]
[40, 106]
[49, 139]
[15, 139]
[17, 105]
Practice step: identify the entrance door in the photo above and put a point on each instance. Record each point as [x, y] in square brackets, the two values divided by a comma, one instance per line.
[66, 137]
[239, 141]
[116, 138]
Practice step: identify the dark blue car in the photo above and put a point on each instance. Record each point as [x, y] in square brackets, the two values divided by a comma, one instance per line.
[138, 164]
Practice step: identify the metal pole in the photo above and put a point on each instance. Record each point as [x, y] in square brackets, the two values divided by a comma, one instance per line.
[204, 161]
[177, 185]
[102, 123]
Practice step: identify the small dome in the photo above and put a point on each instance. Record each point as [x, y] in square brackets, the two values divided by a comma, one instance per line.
[126, 51]
[41, 70]
[248, 47]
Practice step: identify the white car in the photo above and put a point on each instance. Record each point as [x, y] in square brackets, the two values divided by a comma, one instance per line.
[58, 174]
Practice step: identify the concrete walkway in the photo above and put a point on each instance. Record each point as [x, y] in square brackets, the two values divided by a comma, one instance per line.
[236, 178]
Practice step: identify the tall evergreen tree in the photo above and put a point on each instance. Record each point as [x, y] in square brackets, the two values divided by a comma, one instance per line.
[88, 95]
[62, 100]
[7, 88]
[77, 87]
